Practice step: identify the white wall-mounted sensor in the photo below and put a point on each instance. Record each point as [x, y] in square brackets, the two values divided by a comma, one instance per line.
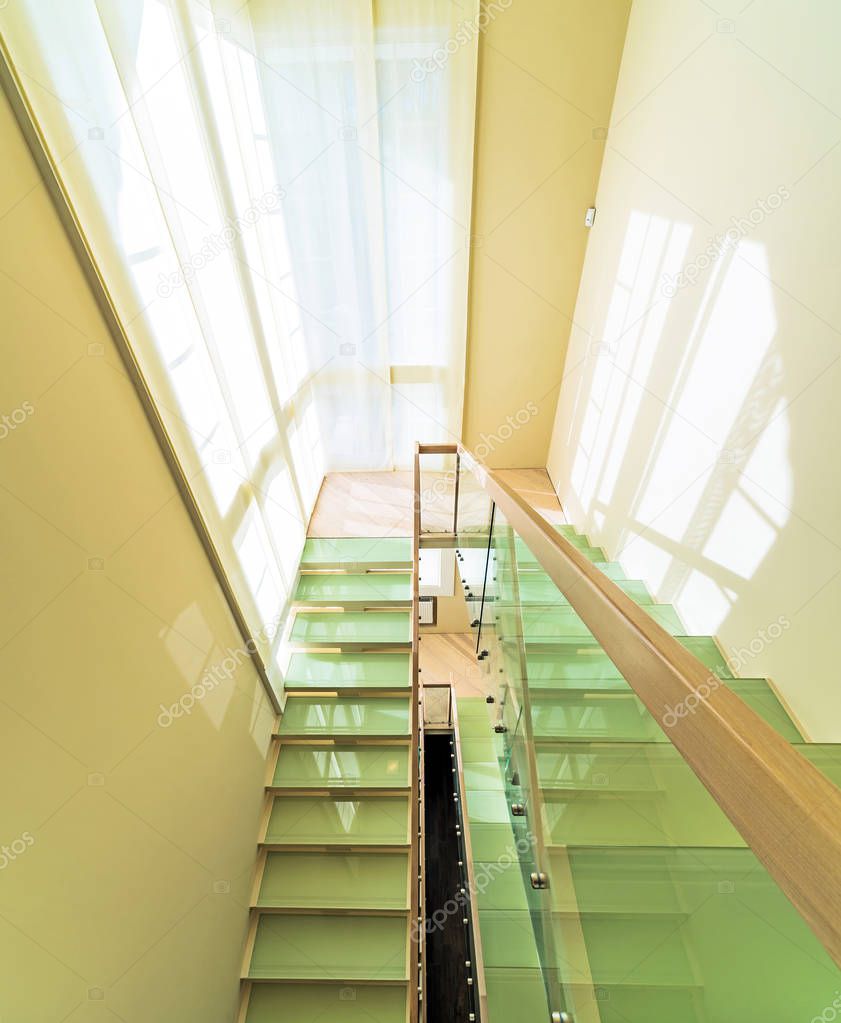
[590, 216]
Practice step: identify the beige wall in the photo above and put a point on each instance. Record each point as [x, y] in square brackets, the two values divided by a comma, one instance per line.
[698, 425]
[546, 81]
[132, 844]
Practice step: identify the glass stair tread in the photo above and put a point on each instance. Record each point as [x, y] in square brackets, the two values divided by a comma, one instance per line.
[486, 808]
[650, 949]
[362, 587]
[329, 948]
[538, 588]
[508, 939]
[526, 558]
[474, 728]
[612, 569]
[367, 820]
[364, 552]
[611, 710]
[345, 716]
[554, 622]
[732, 912]
[515, 995]
[489, 842]
[345, 881]
[309, 1003]
[480, 750]
[361, 627]
[633, 1004]
[348, 670]
[483, 777]
[502, 887]
[342, 767]
[584, 658]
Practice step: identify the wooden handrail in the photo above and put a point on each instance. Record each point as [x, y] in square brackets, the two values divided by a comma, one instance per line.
[786, 810]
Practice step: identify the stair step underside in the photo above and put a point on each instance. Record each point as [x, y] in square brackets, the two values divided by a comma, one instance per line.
[348, 672]
[351, 628]
[369, 589]
[336, 881]
[307, 1003]
[380, 820]
[337, 767]
[343, 717]
[357, 553]
[330, 948]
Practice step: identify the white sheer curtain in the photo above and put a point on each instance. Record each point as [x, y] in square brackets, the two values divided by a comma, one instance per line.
[277, 196]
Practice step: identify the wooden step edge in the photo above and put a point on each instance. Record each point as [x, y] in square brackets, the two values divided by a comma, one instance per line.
[350, 646]
[291, 689]
[356, 567]
[244, 1000]
[378, 911]
[332, 791]
[333, 981]
[325, 848]
[305, 604]
[340, 739]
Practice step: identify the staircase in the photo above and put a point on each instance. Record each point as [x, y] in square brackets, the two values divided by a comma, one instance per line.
[653, 908]
[330, 914]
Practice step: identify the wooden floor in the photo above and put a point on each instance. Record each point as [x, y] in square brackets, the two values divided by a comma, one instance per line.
[380, 504]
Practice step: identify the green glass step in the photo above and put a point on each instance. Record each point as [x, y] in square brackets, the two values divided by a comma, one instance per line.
[369, 588]
[730, 911]
[639, 1003]
[342, 767]
[313, 628]
[640, 794]
[363, 552]
[571, 533]
[329, 948]
[348, 670]
[366, 820]
[553, 623]
[491, 841]
[346, 881]
[526, 559]
[515, 995]
[584, 659]
[310, 1003]
[611, 710]
[345, 716]
[486, 808]
[480, 750]
[502, 888]
[483, 777]
[612, 569]
[508, 940]
[538, 588]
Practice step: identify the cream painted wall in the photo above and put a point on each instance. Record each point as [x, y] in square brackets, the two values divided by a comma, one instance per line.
[697, 429]
[546, 80]
[128, 846]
